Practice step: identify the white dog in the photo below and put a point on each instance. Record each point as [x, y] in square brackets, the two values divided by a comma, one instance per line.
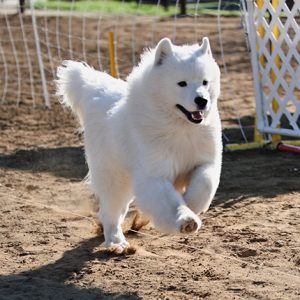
[155, 138]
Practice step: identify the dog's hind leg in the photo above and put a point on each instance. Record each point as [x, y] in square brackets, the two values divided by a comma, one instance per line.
[112, 218]
[202, 187]
[114, 203]
[165, 206]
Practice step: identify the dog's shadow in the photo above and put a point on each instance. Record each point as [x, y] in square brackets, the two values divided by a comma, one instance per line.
[49, 281]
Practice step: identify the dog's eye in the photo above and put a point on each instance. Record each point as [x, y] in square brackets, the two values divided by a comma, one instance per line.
[205, 82]
[182, 83]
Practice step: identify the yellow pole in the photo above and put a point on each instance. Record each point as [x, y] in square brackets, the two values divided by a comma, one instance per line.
[261, 30]
[275, 106]
[258, 137]
[113, 70]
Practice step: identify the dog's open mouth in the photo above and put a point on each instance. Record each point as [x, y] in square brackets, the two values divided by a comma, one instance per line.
[193, 116]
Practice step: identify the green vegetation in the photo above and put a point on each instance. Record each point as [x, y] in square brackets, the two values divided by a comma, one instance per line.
[106, 7]
[131, 7]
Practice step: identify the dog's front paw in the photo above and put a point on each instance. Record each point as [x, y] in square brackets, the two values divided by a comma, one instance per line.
[188, 222]
[120, 248]
[190, 225]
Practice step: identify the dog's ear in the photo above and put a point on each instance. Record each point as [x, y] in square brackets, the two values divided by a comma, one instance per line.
[205, 46]
[163, 49]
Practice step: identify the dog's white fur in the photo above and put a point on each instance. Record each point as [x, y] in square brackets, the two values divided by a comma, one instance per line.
[140, 145]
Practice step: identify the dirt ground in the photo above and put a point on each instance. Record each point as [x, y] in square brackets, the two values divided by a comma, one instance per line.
[248, 247]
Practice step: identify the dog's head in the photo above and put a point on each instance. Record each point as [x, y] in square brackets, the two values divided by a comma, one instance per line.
[183, 81]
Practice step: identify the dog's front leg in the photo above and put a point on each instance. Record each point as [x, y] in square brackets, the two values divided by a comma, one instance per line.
[202, 187]
[165, 206]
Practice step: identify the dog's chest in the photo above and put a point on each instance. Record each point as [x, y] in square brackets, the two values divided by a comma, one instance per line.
[188, 153]
[178, 155]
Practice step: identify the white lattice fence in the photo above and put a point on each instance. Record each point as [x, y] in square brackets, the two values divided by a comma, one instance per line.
[275, 43]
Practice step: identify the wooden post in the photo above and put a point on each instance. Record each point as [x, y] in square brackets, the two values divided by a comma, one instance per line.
[113, 70]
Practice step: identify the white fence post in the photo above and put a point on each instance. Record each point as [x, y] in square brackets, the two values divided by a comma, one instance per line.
[39, 54]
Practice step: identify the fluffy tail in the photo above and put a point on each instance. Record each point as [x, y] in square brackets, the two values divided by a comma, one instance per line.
[75, 86]
[87, 91]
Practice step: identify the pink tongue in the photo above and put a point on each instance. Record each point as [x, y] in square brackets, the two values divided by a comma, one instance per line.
[196, 115]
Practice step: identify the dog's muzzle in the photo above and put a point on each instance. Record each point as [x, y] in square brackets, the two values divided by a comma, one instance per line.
[196, 116]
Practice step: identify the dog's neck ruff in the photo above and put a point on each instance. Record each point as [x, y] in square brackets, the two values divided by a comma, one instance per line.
[193, 116]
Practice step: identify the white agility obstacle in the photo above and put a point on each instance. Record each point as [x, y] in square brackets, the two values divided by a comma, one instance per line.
[274, 36]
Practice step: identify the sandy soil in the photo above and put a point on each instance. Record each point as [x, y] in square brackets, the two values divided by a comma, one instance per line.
[248, 247]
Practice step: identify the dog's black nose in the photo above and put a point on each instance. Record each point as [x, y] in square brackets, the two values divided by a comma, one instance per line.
[201, 102]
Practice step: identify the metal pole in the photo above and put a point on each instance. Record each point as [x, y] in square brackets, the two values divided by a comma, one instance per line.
[39, 55]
